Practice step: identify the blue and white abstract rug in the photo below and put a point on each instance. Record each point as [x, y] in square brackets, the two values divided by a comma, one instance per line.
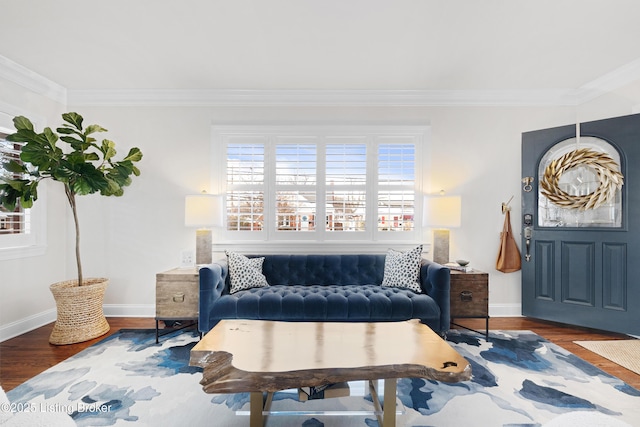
[519, 380]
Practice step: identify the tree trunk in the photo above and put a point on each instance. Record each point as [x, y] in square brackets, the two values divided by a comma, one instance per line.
[72, 202]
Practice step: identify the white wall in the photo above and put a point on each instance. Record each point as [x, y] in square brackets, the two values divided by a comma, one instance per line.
[475, 153]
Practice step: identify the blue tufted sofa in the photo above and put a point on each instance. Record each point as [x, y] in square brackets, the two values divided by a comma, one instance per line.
[345, 288]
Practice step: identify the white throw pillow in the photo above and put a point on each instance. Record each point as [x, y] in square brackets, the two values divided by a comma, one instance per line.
[245, 273]
[402, 269]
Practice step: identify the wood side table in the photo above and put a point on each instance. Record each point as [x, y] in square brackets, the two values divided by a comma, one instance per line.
[470, 297]
[177, 297]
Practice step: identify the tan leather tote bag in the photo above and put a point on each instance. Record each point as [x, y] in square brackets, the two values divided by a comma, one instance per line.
[509, 259]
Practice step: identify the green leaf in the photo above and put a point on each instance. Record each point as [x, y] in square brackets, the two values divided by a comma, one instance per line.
[91, 157]
[40, 154]
[22, 135]
[135, 155]
[40, 139]
[76, 158]
[93, 129]
[67, 131]
[14, 167]
[34, 190]
[14, 184]
[62, 172]
[74, 119]
[75, 143]
[120, 173]
[7, 197]
[51, 137]
[108, 149]
[22, 123]
[26, 201]
[18, 191]
[39, 158]
[112, 189]
[88, 179]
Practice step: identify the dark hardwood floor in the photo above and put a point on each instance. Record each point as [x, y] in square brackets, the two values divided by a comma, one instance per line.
[29, 354]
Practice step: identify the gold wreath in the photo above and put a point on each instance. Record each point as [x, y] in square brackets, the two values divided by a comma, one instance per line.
[606, 169]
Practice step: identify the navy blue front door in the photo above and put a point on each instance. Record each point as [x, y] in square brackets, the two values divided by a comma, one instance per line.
[582, 266]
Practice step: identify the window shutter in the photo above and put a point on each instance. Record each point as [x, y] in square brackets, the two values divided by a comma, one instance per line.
[245, 186]
[295, 170]
[396, 187]
[16, 222]
[346, 187]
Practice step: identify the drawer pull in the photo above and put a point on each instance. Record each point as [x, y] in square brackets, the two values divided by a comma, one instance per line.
[466, 296]
[178, 297]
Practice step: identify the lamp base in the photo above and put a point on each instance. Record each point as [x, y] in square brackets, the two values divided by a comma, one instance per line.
[203, 247]
[441, 246]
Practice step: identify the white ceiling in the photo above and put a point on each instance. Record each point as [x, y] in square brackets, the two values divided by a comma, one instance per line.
[379, 45]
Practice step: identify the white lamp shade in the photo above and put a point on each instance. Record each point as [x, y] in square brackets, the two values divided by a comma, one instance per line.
[442, 211]
[203, 210]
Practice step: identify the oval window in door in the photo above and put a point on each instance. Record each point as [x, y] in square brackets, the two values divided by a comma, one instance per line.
[580, 184]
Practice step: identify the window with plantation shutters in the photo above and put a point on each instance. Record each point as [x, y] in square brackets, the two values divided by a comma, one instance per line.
[22, 231]
[295, 191]
[245, 186]
[16, 221]
[320, 183]
[346, 185]
[396, 183]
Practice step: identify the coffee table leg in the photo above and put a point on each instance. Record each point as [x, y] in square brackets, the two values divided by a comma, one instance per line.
[389, 408]
[255, 409]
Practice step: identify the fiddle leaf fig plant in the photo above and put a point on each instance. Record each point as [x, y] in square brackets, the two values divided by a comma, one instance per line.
[82, 165]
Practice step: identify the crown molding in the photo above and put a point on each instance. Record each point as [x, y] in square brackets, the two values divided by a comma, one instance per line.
[609, 82]
[26, 78]
[319, 98]
[22, 76]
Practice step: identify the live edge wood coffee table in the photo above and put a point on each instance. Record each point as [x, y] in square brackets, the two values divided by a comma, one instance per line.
[256, 356]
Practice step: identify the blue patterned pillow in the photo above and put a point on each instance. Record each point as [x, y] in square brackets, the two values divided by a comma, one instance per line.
[245, 273]
[402, 269]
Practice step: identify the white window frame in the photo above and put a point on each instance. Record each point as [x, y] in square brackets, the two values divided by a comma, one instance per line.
[15, 246]
[271, 240]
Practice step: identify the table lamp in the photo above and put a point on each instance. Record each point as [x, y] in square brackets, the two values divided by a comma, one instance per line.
[203, 211]
[442, 213]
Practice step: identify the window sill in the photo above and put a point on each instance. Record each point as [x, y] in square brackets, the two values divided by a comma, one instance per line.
[22, 252]
[288, 247]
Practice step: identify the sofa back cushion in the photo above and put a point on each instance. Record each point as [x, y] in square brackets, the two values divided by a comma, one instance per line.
[323, 269]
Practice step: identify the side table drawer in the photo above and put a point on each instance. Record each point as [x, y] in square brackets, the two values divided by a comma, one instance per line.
[177, 296]
[469, 295]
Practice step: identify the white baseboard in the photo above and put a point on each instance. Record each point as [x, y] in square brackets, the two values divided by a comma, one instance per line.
[129, 310]
[27, 324]
[505, 310]
[22, 326]
[30, 323]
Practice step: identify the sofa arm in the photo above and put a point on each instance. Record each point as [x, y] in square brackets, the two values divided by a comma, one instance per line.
[435, 281]
[213, 280]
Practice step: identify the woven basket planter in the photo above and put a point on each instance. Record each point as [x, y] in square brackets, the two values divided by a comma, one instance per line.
[80, 315]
